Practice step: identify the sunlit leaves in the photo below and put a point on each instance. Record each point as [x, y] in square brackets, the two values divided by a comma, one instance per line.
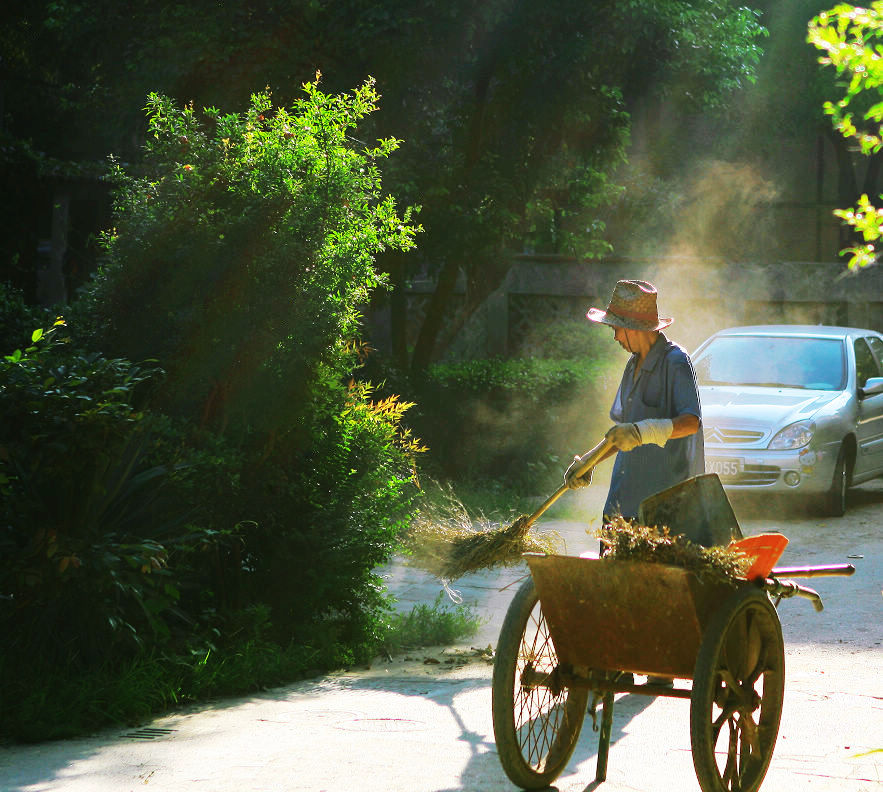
[851, 39]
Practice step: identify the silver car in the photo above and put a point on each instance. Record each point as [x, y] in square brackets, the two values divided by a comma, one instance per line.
[793, 409]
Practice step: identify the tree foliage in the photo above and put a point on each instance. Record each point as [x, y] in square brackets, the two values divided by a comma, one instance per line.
[514, 114]
[850, 38]
[512, 145]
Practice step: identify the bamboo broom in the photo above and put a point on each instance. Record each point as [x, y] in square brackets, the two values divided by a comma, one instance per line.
[451, 551]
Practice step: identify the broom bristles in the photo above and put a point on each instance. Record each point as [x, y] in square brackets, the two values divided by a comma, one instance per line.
[449, 550]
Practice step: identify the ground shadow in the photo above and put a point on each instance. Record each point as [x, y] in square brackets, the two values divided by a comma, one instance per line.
[29, 766]
[483, 762]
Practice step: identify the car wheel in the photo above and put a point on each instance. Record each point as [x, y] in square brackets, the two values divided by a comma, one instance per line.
[835, 500]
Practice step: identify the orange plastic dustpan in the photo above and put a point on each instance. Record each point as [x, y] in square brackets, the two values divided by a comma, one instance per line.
[765, 549]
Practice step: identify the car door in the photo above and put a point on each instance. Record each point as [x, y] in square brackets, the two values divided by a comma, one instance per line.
[869, 429]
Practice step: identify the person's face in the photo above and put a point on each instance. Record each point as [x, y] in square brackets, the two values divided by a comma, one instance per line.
[621, 336]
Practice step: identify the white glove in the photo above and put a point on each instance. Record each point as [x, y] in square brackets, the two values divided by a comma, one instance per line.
[573, 481]
[625, 436]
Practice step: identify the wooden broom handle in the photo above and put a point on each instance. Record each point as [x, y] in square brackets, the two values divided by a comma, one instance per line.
[594, 457]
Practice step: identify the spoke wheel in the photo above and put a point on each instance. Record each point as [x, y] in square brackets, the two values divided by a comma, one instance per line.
[738, 688]
[536, 721]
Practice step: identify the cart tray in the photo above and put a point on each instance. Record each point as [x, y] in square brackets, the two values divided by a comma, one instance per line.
[635, 616]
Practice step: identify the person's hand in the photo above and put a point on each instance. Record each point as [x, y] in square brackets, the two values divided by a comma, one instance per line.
[573, 481]
[625, 436]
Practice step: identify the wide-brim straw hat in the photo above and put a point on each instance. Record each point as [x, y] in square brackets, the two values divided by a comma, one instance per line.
[633, 306]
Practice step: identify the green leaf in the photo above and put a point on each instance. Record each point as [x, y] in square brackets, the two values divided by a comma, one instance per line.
[37, 335]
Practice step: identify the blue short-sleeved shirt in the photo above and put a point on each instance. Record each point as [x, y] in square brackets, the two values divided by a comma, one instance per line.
[665, 388]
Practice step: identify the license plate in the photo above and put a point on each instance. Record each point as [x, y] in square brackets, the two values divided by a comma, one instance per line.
[725, 468]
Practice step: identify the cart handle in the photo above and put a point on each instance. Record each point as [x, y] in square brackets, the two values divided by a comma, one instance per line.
[813, 571]
[782, 589]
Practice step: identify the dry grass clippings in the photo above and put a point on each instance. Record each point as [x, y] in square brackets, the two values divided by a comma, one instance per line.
[627, 541]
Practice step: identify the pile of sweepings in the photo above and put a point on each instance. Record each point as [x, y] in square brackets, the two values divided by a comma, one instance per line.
[449, 543]
[625, 540]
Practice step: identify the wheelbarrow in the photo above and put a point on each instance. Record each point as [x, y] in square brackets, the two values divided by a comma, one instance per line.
[581, 627]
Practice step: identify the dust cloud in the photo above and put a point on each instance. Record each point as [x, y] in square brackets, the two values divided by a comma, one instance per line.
[705, 248]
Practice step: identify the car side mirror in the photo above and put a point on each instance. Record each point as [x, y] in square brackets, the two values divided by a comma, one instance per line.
[872, 386]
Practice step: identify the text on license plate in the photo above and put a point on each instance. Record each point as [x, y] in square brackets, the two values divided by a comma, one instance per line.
[725, 468]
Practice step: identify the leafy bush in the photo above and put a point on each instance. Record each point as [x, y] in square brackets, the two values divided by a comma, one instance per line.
[242, 249]
[437, 624]
[329, 516]
[17, 318]
[82, 526]
[44, 700]
[537, 379]
[567, 339]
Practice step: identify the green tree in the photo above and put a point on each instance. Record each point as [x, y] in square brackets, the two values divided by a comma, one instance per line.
[850, 38]
[520, 116]
[514, 114]
[242, 248]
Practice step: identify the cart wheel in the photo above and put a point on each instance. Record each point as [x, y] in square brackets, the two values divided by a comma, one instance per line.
[536, 726]
[738, 687]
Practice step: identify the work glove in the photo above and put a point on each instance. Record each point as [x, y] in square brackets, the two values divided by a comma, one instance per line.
[573, 481]
[626, 436]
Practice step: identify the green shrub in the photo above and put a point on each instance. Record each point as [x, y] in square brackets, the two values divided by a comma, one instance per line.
[438, 624]
[42, 700]
[567, 339]
[118, 527]
[17, 318]
[328, 517]
[242, 249]
[83, 525]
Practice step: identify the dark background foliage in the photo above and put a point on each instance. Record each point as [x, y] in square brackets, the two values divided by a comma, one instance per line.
[515, 115]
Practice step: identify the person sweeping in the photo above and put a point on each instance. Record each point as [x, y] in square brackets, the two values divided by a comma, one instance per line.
[655, 436]
[656, 412]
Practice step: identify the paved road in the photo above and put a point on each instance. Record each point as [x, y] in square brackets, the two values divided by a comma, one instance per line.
[416, 726]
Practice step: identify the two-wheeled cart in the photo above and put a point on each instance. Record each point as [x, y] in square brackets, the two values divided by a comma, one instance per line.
[581, 627]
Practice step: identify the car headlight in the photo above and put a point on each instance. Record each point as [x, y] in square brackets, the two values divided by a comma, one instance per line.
[795, 436]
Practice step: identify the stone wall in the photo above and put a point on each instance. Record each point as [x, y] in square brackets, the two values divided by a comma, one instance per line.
[702, 296]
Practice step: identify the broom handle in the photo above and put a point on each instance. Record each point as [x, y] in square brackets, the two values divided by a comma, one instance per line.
[594, 458]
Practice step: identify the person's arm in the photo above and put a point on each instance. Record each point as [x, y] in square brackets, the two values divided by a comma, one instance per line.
[684, 426]
[685, 397]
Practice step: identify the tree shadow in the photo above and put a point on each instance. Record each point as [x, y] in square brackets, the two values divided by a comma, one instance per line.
[24, 767]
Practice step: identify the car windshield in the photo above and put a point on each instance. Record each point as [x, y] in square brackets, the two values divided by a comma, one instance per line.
[772, 361]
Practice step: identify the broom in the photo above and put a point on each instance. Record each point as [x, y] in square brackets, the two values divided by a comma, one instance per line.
[452, 548]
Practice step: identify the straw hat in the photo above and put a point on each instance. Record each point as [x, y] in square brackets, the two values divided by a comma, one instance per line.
[633, 306]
